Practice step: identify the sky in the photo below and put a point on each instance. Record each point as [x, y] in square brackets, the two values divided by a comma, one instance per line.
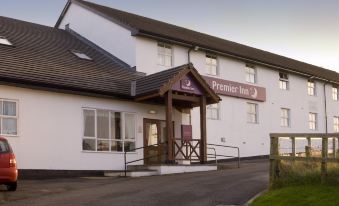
[305, 30]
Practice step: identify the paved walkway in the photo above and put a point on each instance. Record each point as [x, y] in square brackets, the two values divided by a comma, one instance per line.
[223, 187]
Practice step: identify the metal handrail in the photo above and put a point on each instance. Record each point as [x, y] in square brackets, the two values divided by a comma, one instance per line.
[138, 148]
[219, 145]
[215, 154]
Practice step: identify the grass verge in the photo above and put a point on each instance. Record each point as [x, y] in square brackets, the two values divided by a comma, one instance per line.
[306, 195]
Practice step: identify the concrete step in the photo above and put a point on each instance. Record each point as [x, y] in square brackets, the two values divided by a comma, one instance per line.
[132, 173]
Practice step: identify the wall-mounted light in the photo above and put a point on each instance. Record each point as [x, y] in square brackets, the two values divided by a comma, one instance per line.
[152, 111]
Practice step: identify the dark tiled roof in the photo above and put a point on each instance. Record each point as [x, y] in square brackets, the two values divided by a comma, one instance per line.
[41, 56]
[143, 25]
[154, 82]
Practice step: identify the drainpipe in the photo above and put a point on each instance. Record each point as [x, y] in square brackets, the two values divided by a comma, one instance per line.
[195, 48]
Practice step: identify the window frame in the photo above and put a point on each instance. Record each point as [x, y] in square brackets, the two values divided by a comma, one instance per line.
[164, 54]
[311, 88]
[313, 122]
[110, 139]
[207, 65]
[248, 74]
[7, 116]
[284, 81]
[256, 113]
[217, 109]
[288, 117]
[81, 55]
[336, 124]
[335, 94]
[6, 41]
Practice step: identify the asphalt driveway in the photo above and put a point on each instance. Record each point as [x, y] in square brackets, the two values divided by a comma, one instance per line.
[223, 187]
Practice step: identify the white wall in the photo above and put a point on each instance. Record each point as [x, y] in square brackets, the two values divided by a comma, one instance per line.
[253, 139]
[109, 36]
[51, 125]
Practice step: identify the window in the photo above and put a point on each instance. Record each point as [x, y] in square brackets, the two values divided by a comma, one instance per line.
[312, 121]
[212, 111]
[336, 124]
[284, 117]
[164, 54]
[8, 117]
[250, 74]
[211, 64]
[81, 55]
[5, 41]
[335, 93]
[311, 88]
[106, 130]
[252, 113]
[283, 81]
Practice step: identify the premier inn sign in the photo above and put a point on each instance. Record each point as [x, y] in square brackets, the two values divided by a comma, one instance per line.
[235, 89]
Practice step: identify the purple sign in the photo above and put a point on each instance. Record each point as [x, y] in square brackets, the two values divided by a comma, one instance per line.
[186, 132]
[188, 85]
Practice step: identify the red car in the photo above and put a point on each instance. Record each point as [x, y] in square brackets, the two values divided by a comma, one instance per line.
[8, 168]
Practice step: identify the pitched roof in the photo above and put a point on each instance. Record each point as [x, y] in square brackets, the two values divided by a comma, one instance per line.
[160, 82]
[140, 25]
[41, 56]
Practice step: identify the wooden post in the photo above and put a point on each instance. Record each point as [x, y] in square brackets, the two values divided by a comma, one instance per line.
[293, 146]
[203, 132]
[169, 129]
[324, 153]
[274, 162]
[334, 147]
[308, 148]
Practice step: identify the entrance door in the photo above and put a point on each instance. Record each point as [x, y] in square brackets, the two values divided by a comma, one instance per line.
[154, 133]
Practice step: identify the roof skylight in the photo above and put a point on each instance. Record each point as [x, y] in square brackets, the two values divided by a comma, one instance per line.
[5, 41]
[81, 55]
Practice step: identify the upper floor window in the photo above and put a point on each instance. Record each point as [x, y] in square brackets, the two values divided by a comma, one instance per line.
[8, 117]
[251, 75]
[213, 111]
[335, 93]
[164, 54]
[211, 64]
[336, 124]
[311, 88]
[106, 130]
[252, 113]
[284, 117]
[312, 121]
[5, 41]
[283, 81]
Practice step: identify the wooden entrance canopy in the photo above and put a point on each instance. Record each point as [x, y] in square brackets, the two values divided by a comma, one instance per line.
[183, 88]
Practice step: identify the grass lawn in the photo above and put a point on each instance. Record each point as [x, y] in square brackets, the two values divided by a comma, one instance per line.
[307, 195]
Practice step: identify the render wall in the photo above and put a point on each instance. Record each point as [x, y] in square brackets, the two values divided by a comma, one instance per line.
[253, 139]
[111, 37]
[51, 129]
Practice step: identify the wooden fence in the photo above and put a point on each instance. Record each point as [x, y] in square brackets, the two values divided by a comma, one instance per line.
[323, 156]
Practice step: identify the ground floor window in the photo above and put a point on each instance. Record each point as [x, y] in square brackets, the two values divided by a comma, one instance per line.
[312, 121]
[213, 111]
[252, 113]
[106, 130]
[336, 124]
[8, 117]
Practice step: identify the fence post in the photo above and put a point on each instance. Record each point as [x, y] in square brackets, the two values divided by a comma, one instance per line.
[324, 153]
[334, 147]
[293, 146]
[274, 165]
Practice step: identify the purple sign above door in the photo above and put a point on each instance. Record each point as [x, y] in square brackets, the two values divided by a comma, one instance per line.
[188, 85]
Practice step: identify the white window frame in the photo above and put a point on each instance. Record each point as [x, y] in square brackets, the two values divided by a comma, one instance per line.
[110, 139]
[163, 54]
[335, 93]
[335, 124]
[81, 55]
[312, 121]
[311, 88]
[284, 81]
[255, 114]
[251, 71]
[210, 108]
[7, 116]
[209, 64]
[285, 117]
[5, 41]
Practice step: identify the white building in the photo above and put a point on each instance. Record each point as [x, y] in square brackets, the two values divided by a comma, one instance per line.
[76, 96]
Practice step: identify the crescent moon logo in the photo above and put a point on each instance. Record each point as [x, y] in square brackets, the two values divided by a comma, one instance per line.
[188, 83]
[254, 93]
